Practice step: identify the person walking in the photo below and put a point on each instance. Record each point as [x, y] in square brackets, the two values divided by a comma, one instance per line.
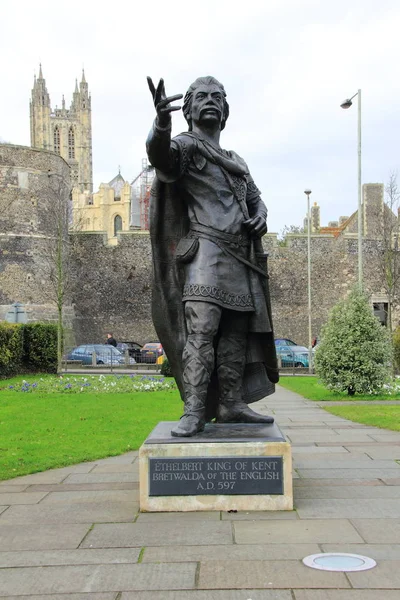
[110, 340]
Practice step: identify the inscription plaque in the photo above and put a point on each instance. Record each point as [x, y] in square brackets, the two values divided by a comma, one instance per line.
[248, 475]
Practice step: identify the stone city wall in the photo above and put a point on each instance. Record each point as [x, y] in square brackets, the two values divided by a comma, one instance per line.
[114, 283]
[113, 291]
[29, 179]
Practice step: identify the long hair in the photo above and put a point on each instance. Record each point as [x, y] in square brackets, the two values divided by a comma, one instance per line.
[187, 102]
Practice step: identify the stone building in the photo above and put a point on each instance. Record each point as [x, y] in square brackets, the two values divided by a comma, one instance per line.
[65, 131]
[32, 183]
[108, 210]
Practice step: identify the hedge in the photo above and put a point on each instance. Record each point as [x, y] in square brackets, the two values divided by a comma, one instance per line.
[40, 347]
[11, 348]
[27, 347]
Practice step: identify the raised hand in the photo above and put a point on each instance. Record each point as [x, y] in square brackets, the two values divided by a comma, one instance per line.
[162, 103]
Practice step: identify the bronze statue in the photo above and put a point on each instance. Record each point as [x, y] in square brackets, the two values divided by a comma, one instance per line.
[210, 296]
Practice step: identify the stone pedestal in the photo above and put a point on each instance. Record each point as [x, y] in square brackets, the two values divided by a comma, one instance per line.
[227, 467]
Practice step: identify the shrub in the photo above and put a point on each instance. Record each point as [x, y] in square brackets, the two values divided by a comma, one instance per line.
[396, 348]
[166, 368]
[355, 352]
[11, 348]
[40, 347]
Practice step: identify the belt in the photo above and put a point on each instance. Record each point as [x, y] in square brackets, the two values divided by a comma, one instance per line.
[218, 237]
[210, 233]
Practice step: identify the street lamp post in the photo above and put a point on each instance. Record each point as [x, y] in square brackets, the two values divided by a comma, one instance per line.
[346, 104]
[307, 193]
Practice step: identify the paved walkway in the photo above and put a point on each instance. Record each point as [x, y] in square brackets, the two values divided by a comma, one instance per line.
[75, 533]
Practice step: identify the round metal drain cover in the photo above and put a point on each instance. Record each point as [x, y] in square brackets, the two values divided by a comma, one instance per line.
[339, 561]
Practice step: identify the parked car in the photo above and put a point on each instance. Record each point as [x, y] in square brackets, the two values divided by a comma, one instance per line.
[284, 342]
[152, 352]
[292, 355]
[134, 349]
[105, 355]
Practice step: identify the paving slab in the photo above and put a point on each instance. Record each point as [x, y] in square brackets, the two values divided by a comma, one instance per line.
[141, 534]
[105, 512]
[386, 436]
[210, 595]
[257, 515]
[306, 482]
[54, 476]
[347, 491]
[102, 477]
[346, 595]
[179, 517]
[345, 463]
[243, 552]
[346, 508]
[106, 596]
[90, 496]
[266, 574]
[301, 531]
[68, 557]
[370, 473]
[386, 575]
[116, 468]
[378, 531]
[328, 435]
[3, 508]
[378, 451]
[42, 537]
[294, 425]
[323, 456]
[350, 445]
[6, 487]
[127, 458]
[97, 578]
[316, 450]
[375, 551]
[391, 481]
[77, 487]
[19, 498]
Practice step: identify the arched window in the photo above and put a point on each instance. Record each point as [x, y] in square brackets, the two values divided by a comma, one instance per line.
[57, 139]
[71, 143]
[117, 225]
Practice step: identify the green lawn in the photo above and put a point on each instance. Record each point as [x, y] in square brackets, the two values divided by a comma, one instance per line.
[41, 430]
[387, 417]
[311, 389]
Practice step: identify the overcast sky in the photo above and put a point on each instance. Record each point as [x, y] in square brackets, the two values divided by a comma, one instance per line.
[286, 66]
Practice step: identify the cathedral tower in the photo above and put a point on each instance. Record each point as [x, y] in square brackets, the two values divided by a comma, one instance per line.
[67, 132]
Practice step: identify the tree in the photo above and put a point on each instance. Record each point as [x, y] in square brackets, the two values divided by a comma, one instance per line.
[388, 254]
[55, 254]
[355, 351]
[289, 229]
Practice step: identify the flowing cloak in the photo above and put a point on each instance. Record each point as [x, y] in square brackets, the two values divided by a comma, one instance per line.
[169, 223]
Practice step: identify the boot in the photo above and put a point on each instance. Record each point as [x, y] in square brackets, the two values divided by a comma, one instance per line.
[235, 410]
[193, 420]
[231, 358]
[198, 362]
